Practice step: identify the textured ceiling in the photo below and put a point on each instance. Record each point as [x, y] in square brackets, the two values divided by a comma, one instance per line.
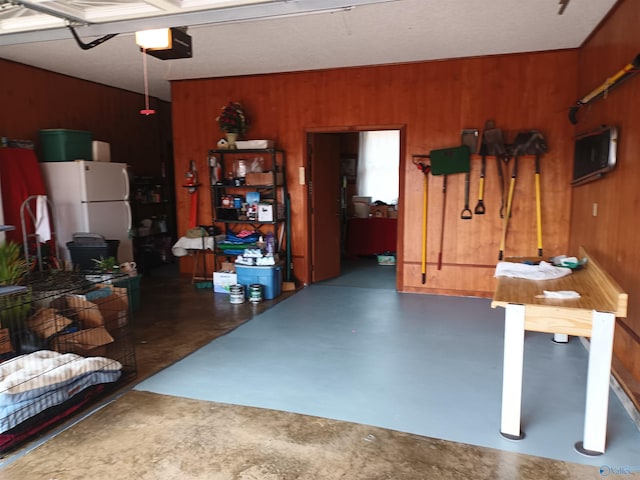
[381, 33]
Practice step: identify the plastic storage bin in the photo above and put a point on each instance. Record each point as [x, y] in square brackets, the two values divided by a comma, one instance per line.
[270, 277]
[82, 254]
[61, 145]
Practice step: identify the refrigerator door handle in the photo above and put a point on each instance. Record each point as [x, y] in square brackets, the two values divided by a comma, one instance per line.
[129, 218]
[126, 184]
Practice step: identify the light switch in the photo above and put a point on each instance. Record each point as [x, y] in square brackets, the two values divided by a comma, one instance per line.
[301, 175]
[595, 210]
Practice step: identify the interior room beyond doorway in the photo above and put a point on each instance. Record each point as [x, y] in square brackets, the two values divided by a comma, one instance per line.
[354, 197]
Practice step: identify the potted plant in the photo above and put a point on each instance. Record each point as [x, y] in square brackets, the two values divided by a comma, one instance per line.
[106, 268]
[14, 307]
[233, 122]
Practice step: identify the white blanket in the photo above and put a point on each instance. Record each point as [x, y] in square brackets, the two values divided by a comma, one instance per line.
[184, 244]
[29, 375]
[543, 271]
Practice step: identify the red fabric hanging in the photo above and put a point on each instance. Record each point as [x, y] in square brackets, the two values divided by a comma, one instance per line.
[20, 177]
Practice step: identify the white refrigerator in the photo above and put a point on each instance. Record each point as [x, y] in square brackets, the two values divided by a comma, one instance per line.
[90, 197]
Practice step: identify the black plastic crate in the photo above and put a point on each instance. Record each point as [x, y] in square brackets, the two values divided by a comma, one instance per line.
[82, 255]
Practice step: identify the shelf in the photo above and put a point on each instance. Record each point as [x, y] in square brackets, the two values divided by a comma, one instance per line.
[240, 151]
[270, 184]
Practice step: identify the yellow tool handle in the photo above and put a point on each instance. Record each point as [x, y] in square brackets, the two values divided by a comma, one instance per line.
[425, 197]
[607, 84]
[481, 190]
[507, 214]
[538, 214]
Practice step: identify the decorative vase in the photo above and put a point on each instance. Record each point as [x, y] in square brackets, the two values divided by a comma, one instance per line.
[231, 139]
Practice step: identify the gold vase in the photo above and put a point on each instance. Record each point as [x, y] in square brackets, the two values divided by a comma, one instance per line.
[231, 139]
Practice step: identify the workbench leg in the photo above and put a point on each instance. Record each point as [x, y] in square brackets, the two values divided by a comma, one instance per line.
[598, 375]
[512, 372]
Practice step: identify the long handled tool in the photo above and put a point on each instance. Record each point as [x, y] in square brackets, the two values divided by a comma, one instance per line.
[424, 168]
[494, 145]
[444, 208]
[479, 210]
[620, 76]
[469, 138]
[538, 206]
[507, 214]
[425, 194]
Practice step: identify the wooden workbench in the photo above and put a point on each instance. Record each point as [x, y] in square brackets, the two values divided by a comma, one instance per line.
[592, 315]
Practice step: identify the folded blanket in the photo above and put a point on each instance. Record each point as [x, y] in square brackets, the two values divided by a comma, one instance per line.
[543, 271]
[28, 376]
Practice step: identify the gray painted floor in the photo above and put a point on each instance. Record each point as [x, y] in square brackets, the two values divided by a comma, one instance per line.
[358, 351]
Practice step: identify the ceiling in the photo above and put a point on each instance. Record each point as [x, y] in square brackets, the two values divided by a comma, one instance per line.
[238, 37]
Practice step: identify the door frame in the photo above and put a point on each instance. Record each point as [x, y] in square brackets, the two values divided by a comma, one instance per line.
[401, 188]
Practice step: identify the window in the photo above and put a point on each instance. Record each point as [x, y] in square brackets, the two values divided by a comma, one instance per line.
[378, 165]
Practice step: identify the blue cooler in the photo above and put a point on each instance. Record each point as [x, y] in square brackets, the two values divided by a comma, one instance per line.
[270, 277]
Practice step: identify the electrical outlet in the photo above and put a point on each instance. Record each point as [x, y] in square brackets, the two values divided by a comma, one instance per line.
[594, 210]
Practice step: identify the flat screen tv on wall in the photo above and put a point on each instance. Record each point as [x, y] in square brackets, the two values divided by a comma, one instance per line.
[594, 154]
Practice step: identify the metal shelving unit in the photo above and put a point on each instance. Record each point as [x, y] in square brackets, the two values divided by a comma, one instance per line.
[225, 182]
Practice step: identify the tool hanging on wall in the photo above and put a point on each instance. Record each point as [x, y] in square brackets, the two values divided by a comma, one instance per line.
[494, 145]
[446, 161]
[530, 142]
[191, 184]
[424, 168]
[479, 210]
[469, 137]
[444, 209]
[616, 80]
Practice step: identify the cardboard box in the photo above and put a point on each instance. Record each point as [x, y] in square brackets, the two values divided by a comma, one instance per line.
[110, 310]
[114, 308]
[222, 281]
[46, 322]
[380, 211]
[89, 342]
[5, 341]
[262, 178]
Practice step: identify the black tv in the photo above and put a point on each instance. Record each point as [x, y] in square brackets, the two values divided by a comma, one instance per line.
[594, 154]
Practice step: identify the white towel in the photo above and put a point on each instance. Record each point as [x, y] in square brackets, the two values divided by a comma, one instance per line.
[184, 244]
[544, 271]
[43, 230]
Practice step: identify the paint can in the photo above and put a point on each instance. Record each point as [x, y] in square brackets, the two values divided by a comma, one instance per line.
[255, 293]
[236, 294]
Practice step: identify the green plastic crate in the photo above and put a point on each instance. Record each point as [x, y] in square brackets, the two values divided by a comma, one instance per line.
[132, 284]
[61, 145]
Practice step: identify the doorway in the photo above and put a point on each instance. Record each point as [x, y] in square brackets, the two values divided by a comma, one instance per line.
[353, 212]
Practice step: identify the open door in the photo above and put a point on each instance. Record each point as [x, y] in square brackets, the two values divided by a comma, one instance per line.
[324, 159]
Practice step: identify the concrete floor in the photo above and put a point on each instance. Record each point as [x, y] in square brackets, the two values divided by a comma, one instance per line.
[350, 350]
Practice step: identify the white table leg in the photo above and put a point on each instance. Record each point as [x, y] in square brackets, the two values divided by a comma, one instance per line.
[512, 372]
[598, 375]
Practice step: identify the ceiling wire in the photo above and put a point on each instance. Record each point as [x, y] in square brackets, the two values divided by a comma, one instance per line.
[94, 43]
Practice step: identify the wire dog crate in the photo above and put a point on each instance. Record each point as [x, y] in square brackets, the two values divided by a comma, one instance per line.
[64, 342]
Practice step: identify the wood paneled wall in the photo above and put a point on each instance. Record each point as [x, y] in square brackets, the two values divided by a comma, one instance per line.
[432, 102]
[612, 236]
[32, 99]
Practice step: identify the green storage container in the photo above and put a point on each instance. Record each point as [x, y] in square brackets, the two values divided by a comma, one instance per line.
[132, 284]
[61, 145]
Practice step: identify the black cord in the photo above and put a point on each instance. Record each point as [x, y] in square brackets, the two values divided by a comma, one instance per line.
[95, 43]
